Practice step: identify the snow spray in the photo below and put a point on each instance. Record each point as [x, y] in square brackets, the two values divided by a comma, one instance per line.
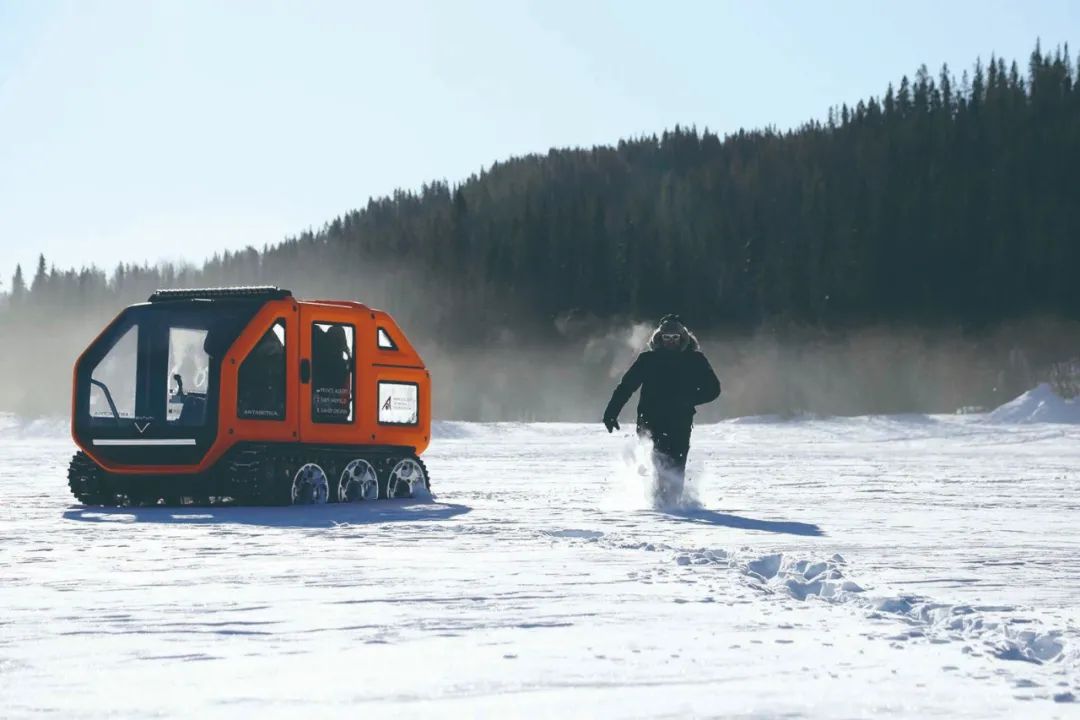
[636, 484]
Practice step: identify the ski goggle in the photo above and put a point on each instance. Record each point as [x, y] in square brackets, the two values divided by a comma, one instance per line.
[670, 337]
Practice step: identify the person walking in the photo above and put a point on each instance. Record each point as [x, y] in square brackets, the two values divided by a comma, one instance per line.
[674, 377]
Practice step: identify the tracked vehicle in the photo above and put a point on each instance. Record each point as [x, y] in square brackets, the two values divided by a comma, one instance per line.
[249, 396]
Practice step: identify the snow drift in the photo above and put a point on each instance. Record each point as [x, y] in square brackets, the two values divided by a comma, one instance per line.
[1040, 404]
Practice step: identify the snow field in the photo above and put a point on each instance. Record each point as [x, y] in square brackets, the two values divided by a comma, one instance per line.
[905, 567]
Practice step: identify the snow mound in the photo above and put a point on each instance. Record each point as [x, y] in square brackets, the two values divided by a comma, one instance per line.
[774, 419]
[1040, 404]
[824, 580]
[783, 573]
[15, 427]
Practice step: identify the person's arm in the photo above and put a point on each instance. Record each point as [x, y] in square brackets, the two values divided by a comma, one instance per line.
[706, 386]
[630, 382]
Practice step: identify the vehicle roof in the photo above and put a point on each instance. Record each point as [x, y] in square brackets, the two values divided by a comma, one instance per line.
[251, 293]
[348, 304]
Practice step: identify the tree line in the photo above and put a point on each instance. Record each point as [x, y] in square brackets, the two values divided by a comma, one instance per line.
[942, 203]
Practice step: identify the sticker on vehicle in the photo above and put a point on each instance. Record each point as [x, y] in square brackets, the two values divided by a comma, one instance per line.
[398, 403]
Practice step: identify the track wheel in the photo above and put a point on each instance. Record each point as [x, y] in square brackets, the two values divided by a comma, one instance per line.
[407, 478]
[87, 481]
[310, 486]
[358, 482]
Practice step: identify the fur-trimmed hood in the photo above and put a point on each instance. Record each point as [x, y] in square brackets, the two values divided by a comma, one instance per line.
[672, 323]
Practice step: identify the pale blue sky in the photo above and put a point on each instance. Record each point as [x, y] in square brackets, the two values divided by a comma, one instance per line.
[167, 130]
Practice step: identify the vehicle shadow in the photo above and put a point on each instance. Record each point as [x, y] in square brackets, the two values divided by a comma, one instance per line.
[702, 516]
[309, 516]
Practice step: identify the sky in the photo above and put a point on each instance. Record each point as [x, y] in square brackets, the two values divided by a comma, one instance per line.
[142, 131]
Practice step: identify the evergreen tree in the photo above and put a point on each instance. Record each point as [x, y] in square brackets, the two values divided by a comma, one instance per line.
[41, 278]
[18, 286]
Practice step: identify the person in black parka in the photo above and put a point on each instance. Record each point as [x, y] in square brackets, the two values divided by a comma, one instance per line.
[674, 377]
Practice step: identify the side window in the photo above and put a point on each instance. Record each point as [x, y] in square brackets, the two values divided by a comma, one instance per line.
[260, 388]
[188, 377]
[385, 341]
[332, 373]
[399, 403]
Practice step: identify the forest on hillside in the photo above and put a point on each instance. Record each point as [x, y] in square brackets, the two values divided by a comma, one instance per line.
[915, 252]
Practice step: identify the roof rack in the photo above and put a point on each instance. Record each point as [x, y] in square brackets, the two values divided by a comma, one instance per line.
[253, 292]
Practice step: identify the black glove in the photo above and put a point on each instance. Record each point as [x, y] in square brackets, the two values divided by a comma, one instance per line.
[611, 423]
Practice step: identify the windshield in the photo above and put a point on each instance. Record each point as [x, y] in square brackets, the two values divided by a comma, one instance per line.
[112, 383]
[156, 366]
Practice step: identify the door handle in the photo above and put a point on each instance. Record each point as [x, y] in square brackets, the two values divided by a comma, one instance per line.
[305, 371]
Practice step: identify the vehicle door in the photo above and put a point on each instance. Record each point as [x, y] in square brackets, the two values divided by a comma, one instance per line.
[264, 370]
[327, 374]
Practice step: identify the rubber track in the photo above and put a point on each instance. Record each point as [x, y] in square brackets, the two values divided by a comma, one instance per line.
[262, 475]
[87, 481]
[253, 475]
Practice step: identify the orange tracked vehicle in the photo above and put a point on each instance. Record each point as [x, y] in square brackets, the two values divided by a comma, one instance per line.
[248, 395]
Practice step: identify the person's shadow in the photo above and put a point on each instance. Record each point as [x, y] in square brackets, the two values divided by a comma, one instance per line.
[702, 516]
[306, 516]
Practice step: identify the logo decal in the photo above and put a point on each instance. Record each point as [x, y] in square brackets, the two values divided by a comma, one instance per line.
[386, 405]
[143, 428]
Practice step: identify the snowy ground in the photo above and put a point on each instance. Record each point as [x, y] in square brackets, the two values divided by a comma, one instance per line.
[867, 567]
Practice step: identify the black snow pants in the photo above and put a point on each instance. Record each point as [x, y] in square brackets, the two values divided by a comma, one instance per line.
[670, 437]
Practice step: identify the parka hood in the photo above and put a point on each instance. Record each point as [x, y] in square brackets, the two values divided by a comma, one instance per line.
[669, 324]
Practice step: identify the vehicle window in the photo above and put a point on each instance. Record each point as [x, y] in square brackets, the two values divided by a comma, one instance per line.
[399, 403]
[188, 377]
[113, 380]
[260, 387]
[385, 341]
[332, 373]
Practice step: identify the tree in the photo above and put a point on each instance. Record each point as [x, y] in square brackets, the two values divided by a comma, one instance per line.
[18, 285]
[945, 81]
[41, 277]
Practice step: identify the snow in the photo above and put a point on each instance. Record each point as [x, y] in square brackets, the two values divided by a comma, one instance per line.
[1040, 404]
[849, 567]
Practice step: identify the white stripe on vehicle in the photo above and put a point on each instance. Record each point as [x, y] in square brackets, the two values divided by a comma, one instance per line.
[169, 441]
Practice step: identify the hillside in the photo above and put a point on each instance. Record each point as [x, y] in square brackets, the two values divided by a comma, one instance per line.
[946, 206]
